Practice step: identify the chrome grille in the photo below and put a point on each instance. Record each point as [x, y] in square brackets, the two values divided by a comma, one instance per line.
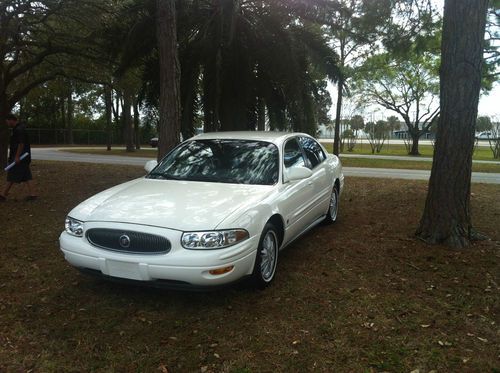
[128, 241]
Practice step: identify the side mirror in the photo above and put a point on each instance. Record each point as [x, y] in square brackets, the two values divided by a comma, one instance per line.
[298, 173]
[150, 165]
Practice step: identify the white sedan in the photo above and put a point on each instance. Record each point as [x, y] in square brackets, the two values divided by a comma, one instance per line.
[216, 209]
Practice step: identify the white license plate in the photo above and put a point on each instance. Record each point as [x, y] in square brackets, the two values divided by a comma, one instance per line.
[124, 270]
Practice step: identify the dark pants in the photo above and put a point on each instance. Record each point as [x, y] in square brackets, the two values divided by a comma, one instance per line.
[20, 173]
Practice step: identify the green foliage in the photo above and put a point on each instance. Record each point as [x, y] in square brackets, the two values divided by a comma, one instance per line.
[483, 123]
[492, 47]
[234, 55]
[357, 123]
[349, 137]
[415, 27]
[377, 134]
[408, 86]
[393, 123]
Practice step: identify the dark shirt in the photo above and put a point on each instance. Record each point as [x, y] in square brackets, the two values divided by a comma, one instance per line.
[19, 136]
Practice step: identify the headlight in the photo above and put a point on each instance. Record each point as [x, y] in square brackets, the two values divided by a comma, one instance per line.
[73, 227]
[214, 239]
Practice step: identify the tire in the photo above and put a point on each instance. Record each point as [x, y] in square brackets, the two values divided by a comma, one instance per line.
[266, 260]
[333, 208]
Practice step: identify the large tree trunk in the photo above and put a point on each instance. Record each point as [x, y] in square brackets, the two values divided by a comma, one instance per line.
[166, 32]
[336, 139]
[446, 218]
[4, 130]
[4, 141]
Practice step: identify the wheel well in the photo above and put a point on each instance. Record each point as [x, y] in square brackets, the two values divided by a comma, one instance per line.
[277, 221]
[337, 184]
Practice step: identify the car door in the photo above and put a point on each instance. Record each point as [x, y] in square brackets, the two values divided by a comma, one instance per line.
[322, 177]
[296, 196]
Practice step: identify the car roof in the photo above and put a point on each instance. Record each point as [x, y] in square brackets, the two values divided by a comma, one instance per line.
[270, 136]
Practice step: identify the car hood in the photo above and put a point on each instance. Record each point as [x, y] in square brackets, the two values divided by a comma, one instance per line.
[181, 205]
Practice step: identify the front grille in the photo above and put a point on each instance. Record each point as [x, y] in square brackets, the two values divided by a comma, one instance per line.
[128, 241]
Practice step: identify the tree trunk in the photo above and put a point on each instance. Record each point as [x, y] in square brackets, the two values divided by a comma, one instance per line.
[137, 133]
[4, 130]
[116, 110]
[415, 137]
[69, 117]
[189, 90]
[336, 139]
[4, 141]
[446, 217]
[261, 114]
[108, 101]
[166, 32]
[128, 124]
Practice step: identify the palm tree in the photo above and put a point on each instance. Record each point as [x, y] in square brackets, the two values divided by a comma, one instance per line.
[242, 61]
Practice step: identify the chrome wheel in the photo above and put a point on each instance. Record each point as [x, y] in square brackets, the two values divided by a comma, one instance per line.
[268, 256]
[334, 204]
[266, 260]
[333, 207]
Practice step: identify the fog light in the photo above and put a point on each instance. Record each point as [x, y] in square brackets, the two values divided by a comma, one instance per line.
[220, 271]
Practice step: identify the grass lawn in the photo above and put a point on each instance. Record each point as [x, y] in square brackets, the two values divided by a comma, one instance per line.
[480, 153]
[359, 296]
[409, 165]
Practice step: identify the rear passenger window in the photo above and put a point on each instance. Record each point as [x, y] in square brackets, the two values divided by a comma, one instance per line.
[313, 151]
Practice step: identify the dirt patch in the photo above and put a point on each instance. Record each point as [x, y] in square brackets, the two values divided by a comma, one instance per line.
[361, 295]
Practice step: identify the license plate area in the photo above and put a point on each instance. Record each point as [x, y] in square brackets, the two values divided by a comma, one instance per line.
[124, 270]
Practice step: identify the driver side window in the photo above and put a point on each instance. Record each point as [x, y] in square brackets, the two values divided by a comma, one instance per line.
[293, 154]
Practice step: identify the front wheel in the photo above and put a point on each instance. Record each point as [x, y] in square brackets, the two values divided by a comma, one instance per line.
[267, 257]
[333, 209]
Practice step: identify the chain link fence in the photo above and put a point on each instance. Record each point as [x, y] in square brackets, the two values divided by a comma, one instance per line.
[60, 136]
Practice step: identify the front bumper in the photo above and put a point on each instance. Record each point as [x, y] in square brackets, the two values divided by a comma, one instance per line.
[180, 265]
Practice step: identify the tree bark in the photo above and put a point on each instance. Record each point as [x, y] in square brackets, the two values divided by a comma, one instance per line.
[69, 116]
[166, 32]
[4, 140]
[415, 137]
[108, 101]
[4, 130]
[336, 139]
[137, 129]
[446, 217]
[261, 114]
[128, 124]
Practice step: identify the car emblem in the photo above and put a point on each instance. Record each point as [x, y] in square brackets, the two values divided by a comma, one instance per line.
[124, 241]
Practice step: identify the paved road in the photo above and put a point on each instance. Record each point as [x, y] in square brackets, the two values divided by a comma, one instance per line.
[52, 154]
[477, 177]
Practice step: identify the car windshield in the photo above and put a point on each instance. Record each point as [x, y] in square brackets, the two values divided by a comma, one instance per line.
[221, 161]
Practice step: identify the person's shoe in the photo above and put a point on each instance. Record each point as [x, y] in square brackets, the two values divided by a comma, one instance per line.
[31, 198]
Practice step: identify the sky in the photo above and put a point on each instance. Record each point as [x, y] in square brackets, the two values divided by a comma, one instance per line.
[490, 104]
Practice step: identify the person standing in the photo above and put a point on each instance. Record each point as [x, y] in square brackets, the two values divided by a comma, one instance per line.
[19, 144]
